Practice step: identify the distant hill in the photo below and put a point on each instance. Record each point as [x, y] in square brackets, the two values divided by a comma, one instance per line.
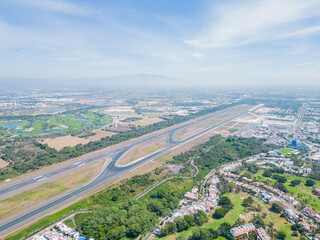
[124, 81]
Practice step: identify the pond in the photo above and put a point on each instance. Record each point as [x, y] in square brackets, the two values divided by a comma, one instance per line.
[11, 125]
[81, 117]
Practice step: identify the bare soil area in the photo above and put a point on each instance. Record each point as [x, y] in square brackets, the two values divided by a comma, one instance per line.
[70, 141]
[100, 134]
[147, 121]
[3, 163]
[66, 141]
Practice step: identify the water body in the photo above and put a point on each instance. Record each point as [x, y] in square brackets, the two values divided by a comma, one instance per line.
[51, 131]
[54, 110]
[81, 117]
[11, 125]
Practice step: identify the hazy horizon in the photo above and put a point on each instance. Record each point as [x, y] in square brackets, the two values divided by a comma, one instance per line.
[264, 43]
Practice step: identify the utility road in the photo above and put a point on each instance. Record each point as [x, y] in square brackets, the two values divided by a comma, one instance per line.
[112, 170]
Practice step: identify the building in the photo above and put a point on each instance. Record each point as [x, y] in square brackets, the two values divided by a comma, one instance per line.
[262, 235]
[242, 231]
[191, 196]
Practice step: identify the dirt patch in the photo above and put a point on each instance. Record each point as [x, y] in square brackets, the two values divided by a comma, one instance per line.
[3, 163]
[174, 169]
[248, 216]
[65, 141]
[143, 150]
[100, 134]
[240, 125]
[147, 121]
[222, 132]
[70, 141]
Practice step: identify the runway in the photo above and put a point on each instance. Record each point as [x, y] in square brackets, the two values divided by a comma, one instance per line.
[110, 172]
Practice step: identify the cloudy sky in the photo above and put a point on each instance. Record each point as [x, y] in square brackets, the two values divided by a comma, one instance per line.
[240, 42]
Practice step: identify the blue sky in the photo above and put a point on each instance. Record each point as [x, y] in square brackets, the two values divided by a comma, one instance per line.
[216, 43]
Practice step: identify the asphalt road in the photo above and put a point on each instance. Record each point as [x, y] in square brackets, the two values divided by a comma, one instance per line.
[110, 172]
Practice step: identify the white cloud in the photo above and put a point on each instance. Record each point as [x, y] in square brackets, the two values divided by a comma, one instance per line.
[253, 21]
[66, 59]
[302, 32]
[304, 64]
[197, 54]
[54, 5]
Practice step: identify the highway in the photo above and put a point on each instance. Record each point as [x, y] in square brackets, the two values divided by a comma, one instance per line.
[110, 172]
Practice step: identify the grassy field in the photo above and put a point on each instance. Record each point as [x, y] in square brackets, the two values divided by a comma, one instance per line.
[27, 198]
[285, 151]
[69, 223]
[74, 123]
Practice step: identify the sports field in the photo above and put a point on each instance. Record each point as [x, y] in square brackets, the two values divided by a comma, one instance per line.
[285, 151]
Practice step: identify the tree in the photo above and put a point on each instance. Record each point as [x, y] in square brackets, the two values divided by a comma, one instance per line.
[267, 173]
[309, 183]
[258, 222]
[280, 186]
[295, 182]
[200, 218]
[201, 234]
[214, 233]
[224, 230]
[282, 179]
[281, 236]
[114, 198]
[224, 201]
[169, 229]
[239, 222]
[247, 202]
[189, 220]
[276, 208]
[219, 213]
[181, 224]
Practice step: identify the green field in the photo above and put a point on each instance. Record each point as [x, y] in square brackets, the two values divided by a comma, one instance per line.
[68, 123]
[285, 151]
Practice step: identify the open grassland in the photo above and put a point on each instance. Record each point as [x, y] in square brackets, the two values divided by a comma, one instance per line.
[12, 205]
[19, 203]
[143, 150]
[189, 131]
